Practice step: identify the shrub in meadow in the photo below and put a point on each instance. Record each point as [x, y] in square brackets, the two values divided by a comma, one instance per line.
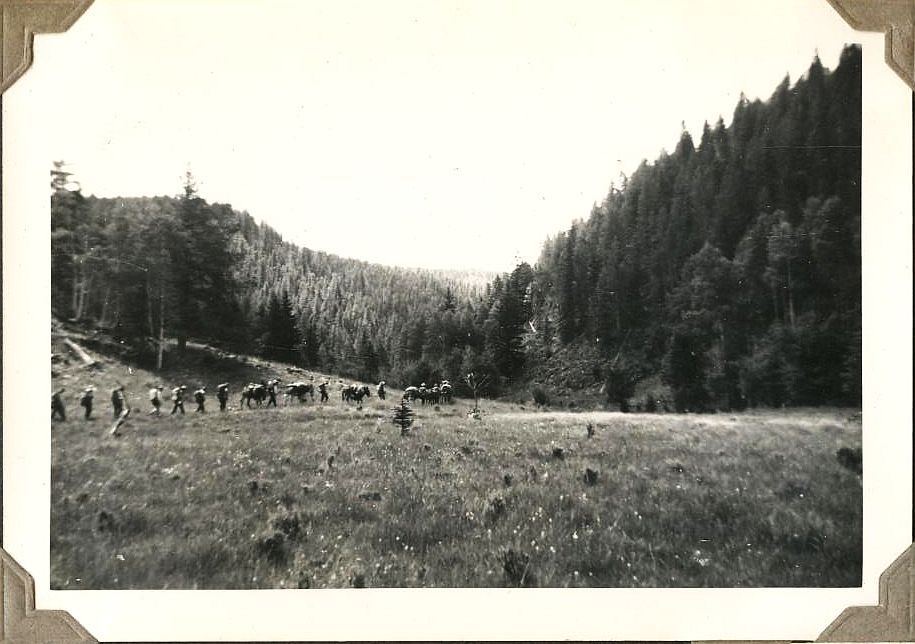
[495, 508]
[105, 522]
[850, 459]
[540, 396]
[516, 565]
[403, 417]
[272, 546]
[289, 524]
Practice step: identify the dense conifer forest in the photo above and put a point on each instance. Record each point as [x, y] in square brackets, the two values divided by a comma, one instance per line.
[724, 274]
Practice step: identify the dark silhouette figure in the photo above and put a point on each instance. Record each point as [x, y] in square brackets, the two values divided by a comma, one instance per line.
[86, 402]
[57, 405]
[222, 395]
[178, 398]
[118, 401]
[200, 397]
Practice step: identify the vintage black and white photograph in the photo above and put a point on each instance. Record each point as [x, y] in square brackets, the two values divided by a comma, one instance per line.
[455, 296]
[517, 297]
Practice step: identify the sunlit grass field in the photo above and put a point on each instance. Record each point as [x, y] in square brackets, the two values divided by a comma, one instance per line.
[328, 496]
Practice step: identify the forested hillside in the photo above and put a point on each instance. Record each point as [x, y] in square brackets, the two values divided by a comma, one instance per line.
[722, 275]
[731, 269]
[185, 268]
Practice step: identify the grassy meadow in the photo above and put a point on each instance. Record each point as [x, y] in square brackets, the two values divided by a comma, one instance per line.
[328, 496]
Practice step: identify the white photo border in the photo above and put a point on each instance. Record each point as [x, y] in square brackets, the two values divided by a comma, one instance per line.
[490, 614]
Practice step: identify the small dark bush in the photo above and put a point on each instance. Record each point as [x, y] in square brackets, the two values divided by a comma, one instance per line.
[516, 565]
[289, 524]
[105, 522]
[272, 546]
[540, 396]
[850, 459]
[127, 523]
[496, 508]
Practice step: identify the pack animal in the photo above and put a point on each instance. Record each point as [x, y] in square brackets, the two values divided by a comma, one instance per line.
[257, 393]
[355, 393]
[298, 391]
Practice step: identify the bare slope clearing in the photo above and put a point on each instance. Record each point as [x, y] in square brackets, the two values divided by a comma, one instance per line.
[332, 496]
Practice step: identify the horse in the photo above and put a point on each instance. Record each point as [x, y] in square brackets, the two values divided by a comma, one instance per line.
[299, 390]
[257, 393]
[355, 392]
[447, 393]
[362, 392]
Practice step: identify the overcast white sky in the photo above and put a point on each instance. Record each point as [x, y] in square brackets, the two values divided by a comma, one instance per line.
[430, 133]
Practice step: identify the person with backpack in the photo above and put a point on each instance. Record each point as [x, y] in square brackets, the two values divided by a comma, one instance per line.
[222, 395]
[155, 398]
[118, 401]
[200, 397]
[86, 401]
[178, 398]
[271, 391]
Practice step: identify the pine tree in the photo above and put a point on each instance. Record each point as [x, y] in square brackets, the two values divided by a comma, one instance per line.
[567, 287]
[449, 303]
[403, 417]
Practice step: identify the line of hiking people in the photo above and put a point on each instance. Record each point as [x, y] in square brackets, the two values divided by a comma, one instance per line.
[262, 394]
